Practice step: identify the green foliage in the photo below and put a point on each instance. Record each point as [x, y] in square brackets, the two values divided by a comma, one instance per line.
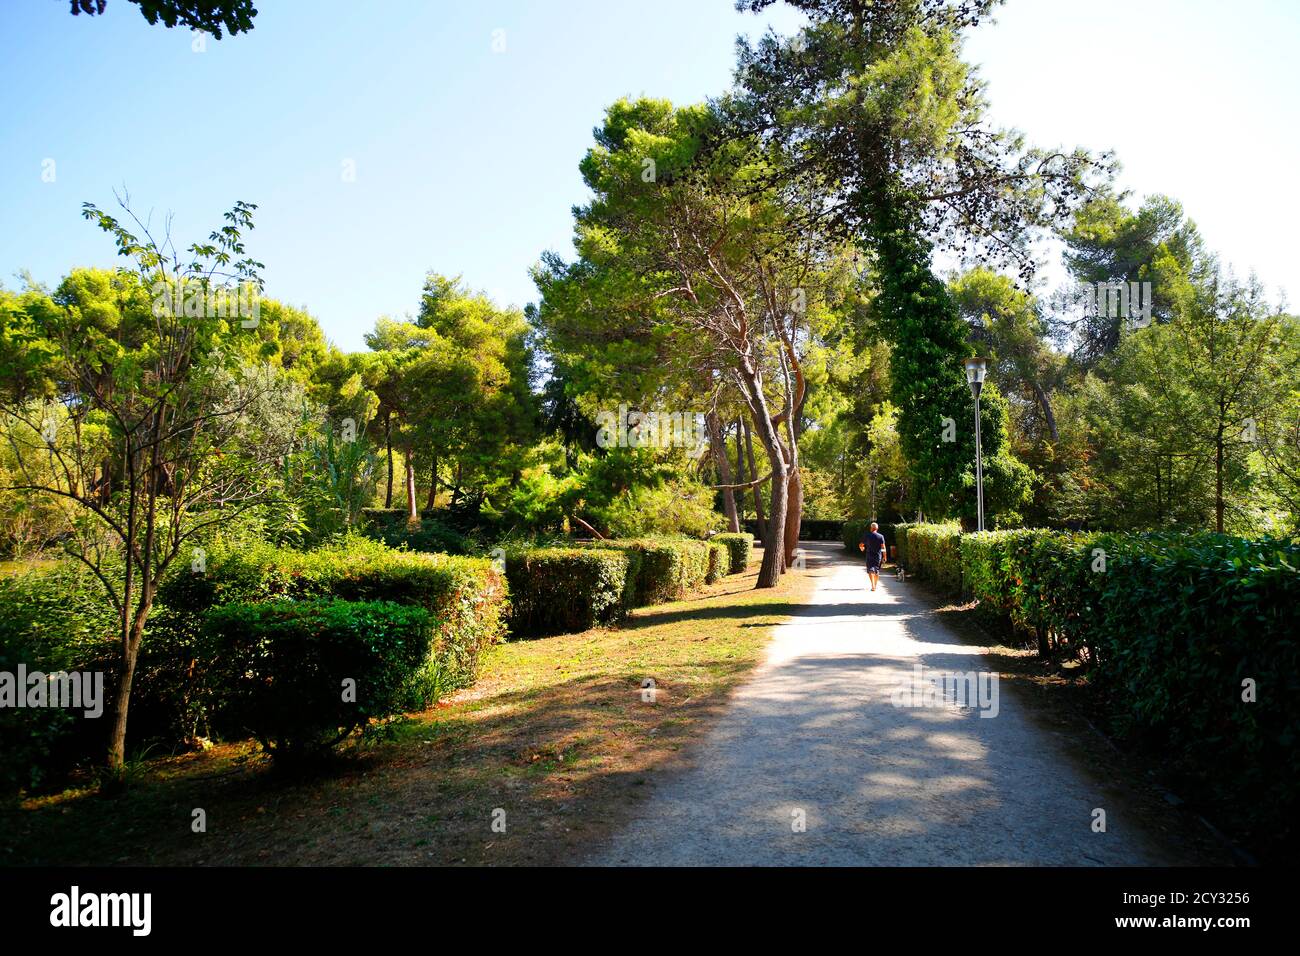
[51, 619]
[934, 554]
[208, 16]
[283, 670]
[563, 590]
[739, 548]
[1171, 626]
[719, 562]
[465, 597]
[670, 569]
[430, 533]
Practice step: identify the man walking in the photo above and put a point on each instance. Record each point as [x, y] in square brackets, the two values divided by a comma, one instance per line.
[873, 543]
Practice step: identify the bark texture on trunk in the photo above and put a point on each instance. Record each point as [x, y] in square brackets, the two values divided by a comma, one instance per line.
[388, 446]
[758, 494]
[412, 514]
[719, 446]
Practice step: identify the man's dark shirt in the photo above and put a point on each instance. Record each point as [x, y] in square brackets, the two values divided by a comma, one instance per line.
[875, 542]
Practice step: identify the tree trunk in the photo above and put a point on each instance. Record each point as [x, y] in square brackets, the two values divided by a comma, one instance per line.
[1218, 481]
[773, 565]
[1045, 404]
[433, 484]
[741, 473]
[122, 698]
[412, 515]
[774, 550]
[388, 445]
[761, 521]
[719, 447]
[793, 515]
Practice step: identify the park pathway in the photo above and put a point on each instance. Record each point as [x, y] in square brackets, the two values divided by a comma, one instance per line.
[812, 764]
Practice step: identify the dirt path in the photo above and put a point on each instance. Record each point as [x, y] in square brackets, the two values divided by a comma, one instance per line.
[813, 764]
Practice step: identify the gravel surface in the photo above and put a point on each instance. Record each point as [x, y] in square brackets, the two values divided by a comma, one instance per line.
[813, 764]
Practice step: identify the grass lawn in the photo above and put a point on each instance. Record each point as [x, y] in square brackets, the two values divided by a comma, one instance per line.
[556, 734]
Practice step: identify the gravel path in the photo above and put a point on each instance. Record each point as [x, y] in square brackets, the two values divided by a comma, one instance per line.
[813, 764]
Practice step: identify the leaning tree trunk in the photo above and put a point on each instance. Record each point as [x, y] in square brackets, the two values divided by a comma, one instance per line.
[719, 447]
[774, 563]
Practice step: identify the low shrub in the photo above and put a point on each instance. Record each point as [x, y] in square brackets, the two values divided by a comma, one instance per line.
[428, 534]
[898, 539]
[466, 597]
[933, 553]
[299, 676]
[564, 590]
[719, 562]
[670, 568]
[852, 532]
[52, 618]
[739, 548]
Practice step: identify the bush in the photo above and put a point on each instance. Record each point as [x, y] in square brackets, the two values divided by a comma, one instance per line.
[899, 540]
[934, 554]
[670, 568]
[719, 562]
[739, 548]
[1170, 626]
[994, 571]
[465, 597]
[428, 534]
[852, 532]
[299, 676]
[564, 590]
[52, 618]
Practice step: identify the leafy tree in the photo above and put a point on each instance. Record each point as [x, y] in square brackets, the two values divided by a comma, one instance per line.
[1106, 243]
[875, 99]
[159, 394]
[690, 282]
[210, 16]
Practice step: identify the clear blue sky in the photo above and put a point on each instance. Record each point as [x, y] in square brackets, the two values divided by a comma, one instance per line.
[466, 158]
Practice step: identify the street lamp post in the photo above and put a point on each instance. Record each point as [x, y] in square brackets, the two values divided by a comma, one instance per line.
[975, 369]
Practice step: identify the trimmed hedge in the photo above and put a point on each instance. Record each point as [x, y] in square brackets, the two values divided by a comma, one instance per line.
[719, 562]
[1170, 626]
[563, 590]
[739, 547]
[852, 531]
[670, 568]
[820, 529]
[466, 597]
[933, 553]
[299, 676]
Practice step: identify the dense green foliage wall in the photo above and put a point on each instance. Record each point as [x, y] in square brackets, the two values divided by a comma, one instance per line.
[1190, 639]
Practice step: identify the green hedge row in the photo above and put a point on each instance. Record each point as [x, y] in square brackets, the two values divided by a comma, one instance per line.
[740, 546]
[299, 676]
[465, 597]
[932, 552]
[1175, 630]
[559, 590]
[670, 568]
